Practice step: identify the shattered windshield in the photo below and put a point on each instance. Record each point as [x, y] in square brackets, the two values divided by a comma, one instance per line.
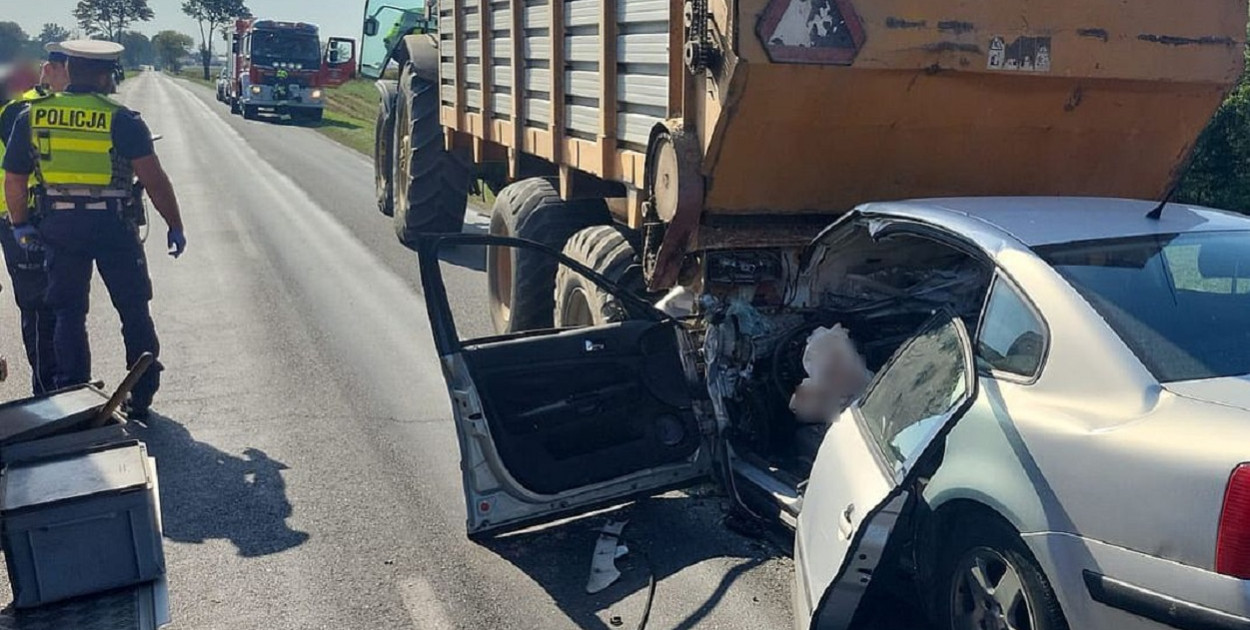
[270, 47]
[1180, 302]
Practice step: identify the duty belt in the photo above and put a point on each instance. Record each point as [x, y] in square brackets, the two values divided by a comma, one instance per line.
[84, 199]
[108, 204]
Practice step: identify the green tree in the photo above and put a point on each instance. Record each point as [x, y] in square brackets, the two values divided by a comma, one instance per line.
[213, 16]
[52, 33]
[13, 41]
[1219, 172]
[171, 47]
[139, 50]
[110, 18]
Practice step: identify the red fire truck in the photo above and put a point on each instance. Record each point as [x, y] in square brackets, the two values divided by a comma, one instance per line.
[281, 68]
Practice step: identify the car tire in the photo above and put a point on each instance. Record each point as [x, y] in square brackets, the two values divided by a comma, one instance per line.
[383, 162]
[522, 282]
[984, 556]
[431, 188]
[608, 251]
[234, 106]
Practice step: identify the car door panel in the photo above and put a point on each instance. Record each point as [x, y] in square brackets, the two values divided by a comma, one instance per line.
[563, 416]
[552, 423]
[870, 459]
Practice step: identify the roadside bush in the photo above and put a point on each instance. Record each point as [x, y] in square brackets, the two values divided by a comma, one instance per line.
[1219, 175]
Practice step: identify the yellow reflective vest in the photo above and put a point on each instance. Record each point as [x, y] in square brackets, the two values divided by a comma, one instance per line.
[25, 98]
[73, 139]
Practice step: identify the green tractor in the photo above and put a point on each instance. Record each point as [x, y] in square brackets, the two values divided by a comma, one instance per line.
[422, 185]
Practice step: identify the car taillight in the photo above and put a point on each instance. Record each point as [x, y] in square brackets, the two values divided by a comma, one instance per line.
[1232, 548]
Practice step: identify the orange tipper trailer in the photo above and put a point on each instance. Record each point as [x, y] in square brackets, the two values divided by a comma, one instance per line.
[713, 119]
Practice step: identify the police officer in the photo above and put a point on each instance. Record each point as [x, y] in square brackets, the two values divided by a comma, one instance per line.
[26, 268]
[84, 152]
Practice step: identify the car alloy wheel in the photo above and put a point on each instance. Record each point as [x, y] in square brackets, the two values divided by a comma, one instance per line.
[987, 593]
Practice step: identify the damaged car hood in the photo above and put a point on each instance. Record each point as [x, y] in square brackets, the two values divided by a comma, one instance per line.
[1230, 391]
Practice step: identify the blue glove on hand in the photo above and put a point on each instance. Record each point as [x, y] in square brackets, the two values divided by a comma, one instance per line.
[28, 237]
[177, 243]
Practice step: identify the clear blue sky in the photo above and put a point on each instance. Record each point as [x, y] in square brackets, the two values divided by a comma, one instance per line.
[336, 17]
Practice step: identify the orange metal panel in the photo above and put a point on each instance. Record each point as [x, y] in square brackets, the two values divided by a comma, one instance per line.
[583, 155]
[860, 136]
[484, 37]
[501, 132]
[607, 86]
[473, 125]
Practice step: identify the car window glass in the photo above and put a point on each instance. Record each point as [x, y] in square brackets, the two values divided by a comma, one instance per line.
[915, 395]
[1180, 302]
[1185, 262]
[1012, 338]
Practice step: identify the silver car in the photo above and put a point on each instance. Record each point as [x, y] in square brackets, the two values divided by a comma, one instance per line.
[1055, 435]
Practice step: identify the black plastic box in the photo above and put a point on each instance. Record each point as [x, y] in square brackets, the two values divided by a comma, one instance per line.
[80, 524]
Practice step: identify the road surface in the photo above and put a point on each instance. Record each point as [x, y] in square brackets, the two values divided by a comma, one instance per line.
[308, 464]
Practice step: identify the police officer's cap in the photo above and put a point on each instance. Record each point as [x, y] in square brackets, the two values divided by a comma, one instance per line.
[56, 52]
[93, 50]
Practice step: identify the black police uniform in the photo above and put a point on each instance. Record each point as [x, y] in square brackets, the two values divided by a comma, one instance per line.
[75, 239]
[30, 283]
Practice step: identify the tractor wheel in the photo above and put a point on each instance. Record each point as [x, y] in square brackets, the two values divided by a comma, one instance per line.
[383, 162]
[606, 250]
[431, 184]
[522, 282]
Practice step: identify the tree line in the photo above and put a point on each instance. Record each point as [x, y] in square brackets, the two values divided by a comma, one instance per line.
[113, 20]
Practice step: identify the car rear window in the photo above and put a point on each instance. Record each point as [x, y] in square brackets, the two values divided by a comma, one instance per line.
[1181, 302]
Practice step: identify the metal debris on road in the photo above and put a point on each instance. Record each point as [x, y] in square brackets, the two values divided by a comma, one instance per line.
[608, 548]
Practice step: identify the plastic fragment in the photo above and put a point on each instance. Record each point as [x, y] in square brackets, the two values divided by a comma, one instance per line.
[608, 548]
[678, 303]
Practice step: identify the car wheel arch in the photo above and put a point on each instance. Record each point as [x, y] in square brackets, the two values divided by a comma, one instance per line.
[929, 535]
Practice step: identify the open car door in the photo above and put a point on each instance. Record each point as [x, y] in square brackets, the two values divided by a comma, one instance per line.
[339, 64]
[869, 464]
[557, 422]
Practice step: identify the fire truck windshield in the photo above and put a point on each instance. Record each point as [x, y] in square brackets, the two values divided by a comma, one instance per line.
[271, 47]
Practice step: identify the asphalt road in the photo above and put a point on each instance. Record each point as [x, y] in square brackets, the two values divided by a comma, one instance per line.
[309, 469]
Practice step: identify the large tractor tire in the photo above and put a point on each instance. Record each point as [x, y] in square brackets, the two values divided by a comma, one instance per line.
[431, 185]
[383, 162]
[522, 282]
[608, 251]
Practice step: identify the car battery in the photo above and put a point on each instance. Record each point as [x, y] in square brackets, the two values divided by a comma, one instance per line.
[80, 524]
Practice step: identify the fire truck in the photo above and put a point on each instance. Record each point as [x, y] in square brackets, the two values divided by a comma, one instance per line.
[281, 68]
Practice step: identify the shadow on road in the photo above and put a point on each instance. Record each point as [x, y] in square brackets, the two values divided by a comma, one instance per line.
[665, 535]
[207, 493]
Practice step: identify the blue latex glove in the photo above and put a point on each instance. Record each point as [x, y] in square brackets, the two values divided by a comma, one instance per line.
[28, 237]
[177, 243]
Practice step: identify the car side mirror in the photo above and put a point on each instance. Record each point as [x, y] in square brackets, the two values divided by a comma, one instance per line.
[371, 27]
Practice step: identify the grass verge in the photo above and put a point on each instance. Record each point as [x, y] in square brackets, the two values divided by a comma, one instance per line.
[196, 75]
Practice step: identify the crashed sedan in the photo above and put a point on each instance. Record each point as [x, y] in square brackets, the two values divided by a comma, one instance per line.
[1023, 413]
